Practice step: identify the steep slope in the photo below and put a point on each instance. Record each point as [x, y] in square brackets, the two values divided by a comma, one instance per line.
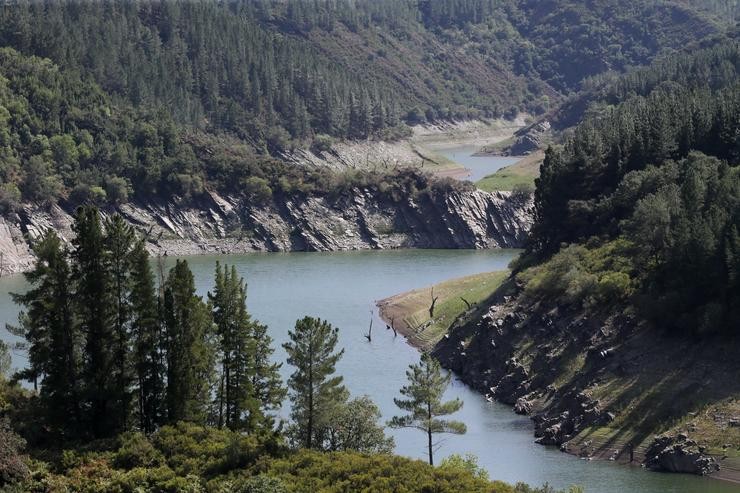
[276, 72]
[359, 218]
[621, 321]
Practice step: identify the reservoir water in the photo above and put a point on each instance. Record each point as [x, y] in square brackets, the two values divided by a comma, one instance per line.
[479, 166]
[342, 288]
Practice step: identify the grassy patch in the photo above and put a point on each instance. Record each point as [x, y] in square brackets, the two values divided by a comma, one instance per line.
[521, 173]
[413, 307]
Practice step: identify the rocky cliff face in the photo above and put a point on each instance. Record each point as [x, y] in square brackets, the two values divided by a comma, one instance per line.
[602, 385]
[360, 219]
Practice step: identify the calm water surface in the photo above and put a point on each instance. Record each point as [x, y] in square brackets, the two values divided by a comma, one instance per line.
[479, 166]
[342, 288]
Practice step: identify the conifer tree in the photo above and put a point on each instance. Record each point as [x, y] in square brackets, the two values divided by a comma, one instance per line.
[235, 345]
[267, 386]
[424, 404]
[148, 344]
[119, 243]
[314, 390]
[190, 348]
[52, 337]
[250, 386]
[95, 309]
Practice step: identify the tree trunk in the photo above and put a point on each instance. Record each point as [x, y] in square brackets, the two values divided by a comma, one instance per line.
[429, 433]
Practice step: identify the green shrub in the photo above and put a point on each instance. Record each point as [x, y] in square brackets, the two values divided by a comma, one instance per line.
[257, 190]
[589, 277]
[322, 143]
[136, 451]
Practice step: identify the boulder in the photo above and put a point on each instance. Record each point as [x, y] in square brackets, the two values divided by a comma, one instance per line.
[522, 406]
[679, 454]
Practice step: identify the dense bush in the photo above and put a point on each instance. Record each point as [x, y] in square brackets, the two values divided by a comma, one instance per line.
[13, 468]
[587, 277]
[187, 458]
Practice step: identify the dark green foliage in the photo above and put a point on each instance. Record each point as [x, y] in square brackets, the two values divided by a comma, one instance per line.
[250, 386]
[308, 471]
[119, 243]
[633, 171]
[268, 391]
[63, 137]
[190, 348]
[233, 327]
[190, 458]
[148, 343]
[316, 394]
[53, 337]
[575, 39]
[95, 310]
[354, 426]
[424, 404]
[113, 115]
[687, 232]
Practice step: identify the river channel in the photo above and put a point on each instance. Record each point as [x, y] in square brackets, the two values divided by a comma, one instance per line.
[342, 288]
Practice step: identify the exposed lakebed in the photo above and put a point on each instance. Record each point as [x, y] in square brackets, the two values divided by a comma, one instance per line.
[342, 288]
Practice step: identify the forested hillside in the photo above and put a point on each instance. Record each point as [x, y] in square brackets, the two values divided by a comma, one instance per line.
[617, 332]
[270, 71]
[173, 98]
[647, 193]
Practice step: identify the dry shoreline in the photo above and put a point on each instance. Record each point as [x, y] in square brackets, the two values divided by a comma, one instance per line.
[393, 312]
[394, 317]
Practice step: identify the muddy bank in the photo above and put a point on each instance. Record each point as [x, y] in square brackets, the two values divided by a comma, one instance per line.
[360, 219]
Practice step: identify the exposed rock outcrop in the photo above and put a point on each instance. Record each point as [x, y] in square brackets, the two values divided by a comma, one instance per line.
[530, 139]
[360, 219]
[598, 385]
[679, 454]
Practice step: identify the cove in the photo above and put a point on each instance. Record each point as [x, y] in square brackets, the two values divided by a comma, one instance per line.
[478, 167]
[342, 288]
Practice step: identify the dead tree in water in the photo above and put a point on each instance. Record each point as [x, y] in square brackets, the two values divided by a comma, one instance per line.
[434, 302]
[369, 335]
[391, 326]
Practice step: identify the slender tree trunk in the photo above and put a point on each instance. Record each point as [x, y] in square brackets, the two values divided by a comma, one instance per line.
[429, 433]
[221, 402]
[309, 438]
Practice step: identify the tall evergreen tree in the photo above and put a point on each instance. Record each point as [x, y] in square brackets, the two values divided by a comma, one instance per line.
[96, 311]
[235, 345]
[314, 392]
[52, 336]
[250, 386]
[190, 348]
[119, 243]
[424, 404]
[267, 386]
[148, 344]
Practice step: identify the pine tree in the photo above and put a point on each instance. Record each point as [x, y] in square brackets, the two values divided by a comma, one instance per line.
[250, 387]
[315, 392]
[95, 309]
[190, 348]
[119, 242]
[148, 344]
[424, 403]
[52, 337]
[267, 386]
[235, 345]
